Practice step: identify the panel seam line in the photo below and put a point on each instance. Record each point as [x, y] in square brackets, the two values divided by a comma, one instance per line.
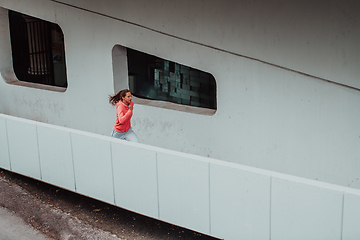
[157, 183]
[8, 143]
[72, 158]
[209, 172]
[342, 216]
[270, 204]
[112, 172]
[38, 149]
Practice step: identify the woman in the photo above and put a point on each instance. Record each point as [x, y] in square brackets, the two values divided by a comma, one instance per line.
[124, 110]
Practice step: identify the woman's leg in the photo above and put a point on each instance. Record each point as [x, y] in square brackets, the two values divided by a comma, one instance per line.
[131, 136]
[117, 134]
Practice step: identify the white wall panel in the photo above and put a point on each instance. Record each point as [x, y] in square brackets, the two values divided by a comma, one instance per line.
[56, 156]
[4, 148]
[23, 146]
[351, 221]
[240, 203]
[301, 211]
[222, 199]
[92, 165]
[135, 178]
[184, 191]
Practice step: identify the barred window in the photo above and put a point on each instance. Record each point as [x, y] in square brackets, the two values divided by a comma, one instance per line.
[37, 50]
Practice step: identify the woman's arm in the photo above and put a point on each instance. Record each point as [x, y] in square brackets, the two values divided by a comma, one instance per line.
[123, 117]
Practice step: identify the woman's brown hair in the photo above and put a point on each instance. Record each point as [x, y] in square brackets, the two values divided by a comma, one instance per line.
[118, 96]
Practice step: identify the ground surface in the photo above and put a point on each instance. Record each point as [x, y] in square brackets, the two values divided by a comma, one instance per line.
[62, 214]
[13, 227]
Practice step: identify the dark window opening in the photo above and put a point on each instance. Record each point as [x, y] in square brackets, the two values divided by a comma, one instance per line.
[38, 50]
[154, 78]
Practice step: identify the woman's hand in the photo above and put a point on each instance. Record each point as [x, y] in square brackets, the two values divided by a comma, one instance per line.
[131, 107]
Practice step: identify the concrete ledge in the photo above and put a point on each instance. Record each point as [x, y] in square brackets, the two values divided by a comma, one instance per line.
[218, 198]
[302, 211]
[55, 150]
[240, 203]
[23, 147]
[135, 179]
[184, 191]
[92, 167]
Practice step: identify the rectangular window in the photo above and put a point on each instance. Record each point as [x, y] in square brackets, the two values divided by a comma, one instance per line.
[37, 50]
[151, 77]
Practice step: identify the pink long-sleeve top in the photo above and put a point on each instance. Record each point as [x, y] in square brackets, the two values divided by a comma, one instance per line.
[123, 116]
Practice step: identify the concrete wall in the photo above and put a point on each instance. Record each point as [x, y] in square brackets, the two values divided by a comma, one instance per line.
[319, 38]
[225, 200]
[268, 116]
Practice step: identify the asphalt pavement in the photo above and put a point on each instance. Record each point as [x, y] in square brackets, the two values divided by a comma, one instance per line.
[30, 209]
[13, 227]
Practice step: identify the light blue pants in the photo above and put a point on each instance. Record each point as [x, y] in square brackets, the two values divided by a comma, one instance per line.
[129, 135]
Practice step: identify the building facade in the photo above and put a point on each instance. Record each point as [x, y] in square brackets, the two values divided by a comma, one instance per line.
[270, 85]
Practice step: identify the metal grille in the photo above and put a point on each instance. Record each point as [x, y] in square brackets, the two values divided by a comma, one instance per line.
[40, 52]
[37, 50]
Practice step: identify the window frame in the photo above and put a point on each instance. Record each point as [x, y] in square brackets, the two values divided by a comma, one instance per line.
[6, 58]
[121, 72]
